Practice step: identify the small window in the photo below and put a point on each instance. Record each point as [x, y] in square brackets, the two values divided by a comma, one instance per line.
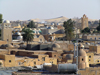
[97, 60]
[51, 62]
[40, 40]
[89, 60]
[43, 58]
[9, 61]
[34, 63]
[82, 48]
[19, 63]
[54, 55]
[89, 56]
[82, 59]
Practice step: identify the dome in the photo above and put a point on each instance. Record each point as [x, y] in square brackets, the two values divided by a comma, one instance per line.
[69, 56]
[17, 33]
[23, 46]
[82, 53]
[19, 37]
[49, 33]
[80, 46]
[6, 21]
[6, 45]
[55, 45]
[16, 46]
[50, 28]
[11, 45]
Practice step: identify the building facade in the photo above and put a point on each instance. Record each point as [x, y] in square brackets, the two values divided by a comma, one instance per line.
[84, 20]
[6, 32]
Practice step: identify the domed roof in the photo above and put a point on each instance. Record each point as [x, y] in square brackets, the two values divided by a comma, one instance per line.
[23, 46]
[82, 53]
[50, 27]
[6, 45]
[19, 37]
[55, 45]
[69, 56]
[49, 33]
[11, 45]
[6, 21]
[17, 33]
[16, 46]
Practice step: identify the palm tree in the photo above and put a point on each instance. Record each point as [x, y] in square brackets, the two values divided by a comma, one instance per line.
[27, 35]
[69, 32]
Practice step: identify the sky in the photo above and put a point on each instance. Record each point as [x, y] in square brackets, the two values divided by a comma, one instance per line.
[47, 9]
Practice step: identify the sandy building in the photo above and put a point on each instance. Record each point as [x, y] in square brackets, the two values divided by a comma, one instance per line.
[6, 32]
[84, 20]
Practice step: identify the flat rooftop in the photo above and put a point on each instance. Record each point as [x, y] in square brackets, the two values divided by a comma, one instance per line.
[30, 50]
[23, 57]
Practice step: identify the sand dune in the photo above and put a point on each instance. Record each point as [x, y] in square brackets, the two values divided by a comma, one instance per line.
[60, 19]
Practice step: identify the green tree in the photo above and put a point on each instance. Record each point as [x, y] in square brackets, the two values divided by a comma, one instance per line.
[0, 18]
[31, 24]
[27, 35]
[69, 31]
[98, 28]
[85, 30]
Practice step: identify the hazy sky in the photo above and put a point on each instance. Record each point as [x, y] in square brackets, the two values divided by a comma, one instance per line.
[45, 9]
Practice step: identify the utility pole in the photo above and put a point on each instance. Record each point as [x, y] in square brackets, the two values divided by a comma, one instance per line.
[77, 51]
[77, 56]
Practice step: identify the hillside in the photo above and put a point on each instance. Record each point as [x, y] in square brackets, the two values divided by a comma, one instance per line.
[58, 19]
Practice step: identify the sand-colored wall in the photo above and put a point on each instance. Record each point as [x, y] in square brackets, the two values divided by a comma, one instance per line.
[3, 42]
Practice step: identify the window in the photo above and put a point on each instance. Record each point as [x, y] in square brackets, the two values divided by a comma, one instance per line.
[43, 58]
[82, 48]
[54, 55]
[35, 63]
[40, 40]
[51, 62]
[95, 38]
[97, 60]
[9, 61]
[89, 60]
[19, 63]
[82, 59]
[89, 56]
